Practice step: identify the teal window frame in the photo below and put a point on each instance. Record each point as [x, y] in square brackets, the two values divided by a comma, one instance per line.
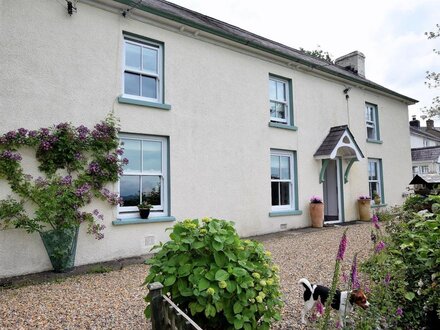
[375, 121]
[290, 125]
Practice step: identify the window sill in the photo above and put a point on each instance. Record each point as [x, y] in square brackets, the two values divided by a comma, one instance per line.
[284, 126]
[135, 221]
[374, 141]
[128, 100]
[284, 213]
[375, 206]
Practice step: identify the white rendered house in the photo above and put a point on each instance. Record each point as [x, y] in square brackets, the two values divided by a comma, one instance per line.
[216, 121]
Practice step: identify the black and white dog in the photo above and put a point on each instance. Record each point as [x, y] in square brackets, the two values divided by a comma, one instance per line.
[343, 301]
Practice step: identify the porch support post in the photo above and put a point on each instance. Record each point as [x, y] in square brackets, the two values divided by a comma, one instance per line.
[323, 169]
[350, 164]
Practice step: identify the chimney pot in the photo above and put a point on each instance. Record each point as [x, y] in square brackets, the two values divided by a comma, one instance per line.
[430, 123]
[414, 122]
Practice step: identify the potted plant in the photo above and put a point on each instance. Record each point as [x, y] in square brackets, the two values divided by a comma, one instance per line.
[376, 198]
[364, 207]
[316, 211]
[144, 209]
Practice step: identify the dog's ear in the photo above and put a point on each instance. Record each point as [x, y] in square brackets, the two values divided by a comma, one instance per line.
[353, 296]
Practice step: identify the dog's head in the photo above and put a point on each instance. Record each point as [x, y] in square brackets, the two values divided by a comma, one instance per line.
[359, 298]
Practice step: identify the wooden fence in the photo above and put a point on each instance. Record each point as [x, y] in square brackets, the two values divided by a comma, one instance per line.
[165, 315]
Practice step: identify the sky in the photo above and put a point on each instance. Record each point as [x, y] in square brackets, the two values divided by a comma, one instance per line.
[390, 33]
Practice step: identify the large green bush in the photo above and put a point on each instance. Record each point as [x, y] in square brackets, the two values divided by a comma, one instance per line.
[220, 280]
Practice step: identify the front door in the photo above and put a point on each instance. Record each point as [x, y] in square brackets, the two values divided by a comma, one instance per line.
[332, 192]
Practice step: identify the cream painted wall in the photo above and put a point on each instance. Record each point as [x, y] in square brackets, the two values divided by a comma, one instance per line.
[60, 68]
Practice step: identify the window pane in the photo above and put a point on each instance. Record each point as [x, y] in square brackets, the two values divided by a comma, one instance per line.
[281, 91]
[149, 59]
[280, 111]
[131, 83]
[149, 88]
[133, 56]
[285, 168]
[130, 190]
[151, 189]
[275, 193]
[272, 89]
[275, 167]
[374, 188]
[132, 151]
[372, 171]
[284, 193]
[370, 133]
[152, 156]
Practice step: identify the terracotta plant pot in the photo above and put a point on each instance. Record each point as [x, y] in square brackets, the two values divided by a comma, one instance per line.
[364, 206]
[317, 214]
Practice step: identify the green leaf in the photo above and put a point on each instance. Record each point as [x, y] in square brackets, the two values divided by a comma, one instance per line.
[210, 310]
[147, 311]
[204, 284]
[221, 275]
[410, 296]
[220, 259]
[169, 280]
[238, 323]
[198, 245]
[231, 286]
[247, 326]
[238, 271]
[184, 270]
[238, 307]
[217, 246]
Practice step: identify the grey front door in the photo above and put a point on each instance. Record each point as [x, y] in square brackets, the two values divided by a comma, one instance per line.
[331, 193]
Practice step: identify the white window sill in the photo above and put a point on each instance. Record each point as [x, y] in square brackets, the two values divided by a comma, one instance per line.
[135, 221]
[284, 126]
[128, 100]
[282, 213]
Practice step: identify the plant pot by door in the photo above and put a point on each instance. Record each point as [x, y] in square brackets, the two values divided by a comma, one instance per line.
[364, 207]
[317, 214]
[144, 213]
[60, 245]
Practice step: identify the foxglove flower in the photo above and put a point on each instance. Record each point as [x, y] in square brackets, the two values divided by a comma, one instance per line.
[380, 246]
[399, 311]
[342, 247]
[387, 279]
[354, 274]
[375, 221]
[319, 308]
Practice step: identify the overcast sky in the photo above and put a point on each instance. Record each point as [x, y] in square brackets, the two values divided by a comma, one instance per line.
[390, 33]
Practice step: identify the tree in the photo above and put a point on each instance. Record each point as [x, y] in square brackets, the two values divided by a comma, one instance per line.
[433, 79]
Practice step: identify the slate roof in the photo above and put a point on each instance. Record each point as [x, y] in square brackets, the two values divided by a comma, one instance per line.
[425, 178]
[422, 132]
[332, 139]
[214, 26]
[425, 154]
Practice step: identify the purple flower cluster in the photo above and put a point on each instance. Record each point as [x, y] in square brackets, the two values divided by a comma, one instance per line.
[102, 131]
[387, 279]
[315, 199]
[373, 237]
[342, 247]
[48, 142]
[41, 182]
[82, 132]
[94, 169]
[364, 197]
[96, 229]
[22, 132]
[32, 134]
[62, 126]
[399, 311]
[375, 221]
[319, 308]
[354, 274]
[83, 190]
[112, 159]
[120, 151]
[8, 154]
[112, 198]
[66, 181]
[379, 247]
[98, 215]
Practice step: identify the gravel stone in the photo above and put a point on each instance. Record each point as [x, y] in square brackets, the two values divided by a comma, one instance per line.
[114, 300]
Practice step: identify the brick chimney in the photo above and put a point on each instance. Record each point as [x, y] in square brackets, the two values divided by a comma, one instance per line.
[430, 124]
[355, 62]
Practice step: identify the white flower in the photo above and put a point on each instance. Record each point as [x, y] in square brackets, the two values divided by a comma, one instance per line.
[420, 283]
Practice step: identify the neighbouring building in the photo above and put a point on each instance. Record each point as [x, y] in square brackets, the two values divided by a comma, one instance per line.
[217, 121]
[425, 147]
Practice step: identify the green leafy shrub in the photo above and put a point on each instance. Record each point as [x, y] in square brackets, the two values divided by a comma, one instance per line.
[222, 281]
[405, 272]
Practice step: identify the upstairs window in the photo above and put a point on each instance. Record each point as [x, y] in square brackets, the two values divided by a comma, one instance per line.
[143, 70]
[372, 122]
[279, 100]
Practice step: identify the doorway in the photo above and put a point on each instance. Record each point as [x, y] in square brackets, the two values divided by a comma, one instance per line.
[332, 192]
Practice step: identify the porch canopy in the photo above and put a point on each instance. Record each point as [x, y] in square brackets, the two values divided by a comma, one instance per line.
[338, 143]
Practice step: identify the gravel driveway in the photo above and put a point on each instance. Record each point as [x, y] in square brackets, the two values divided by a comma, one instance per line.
[114, 300]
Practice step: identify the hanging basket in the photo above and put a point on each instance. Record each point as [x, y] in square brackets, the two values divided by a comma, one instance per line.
[317, 214]
[60, 245]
